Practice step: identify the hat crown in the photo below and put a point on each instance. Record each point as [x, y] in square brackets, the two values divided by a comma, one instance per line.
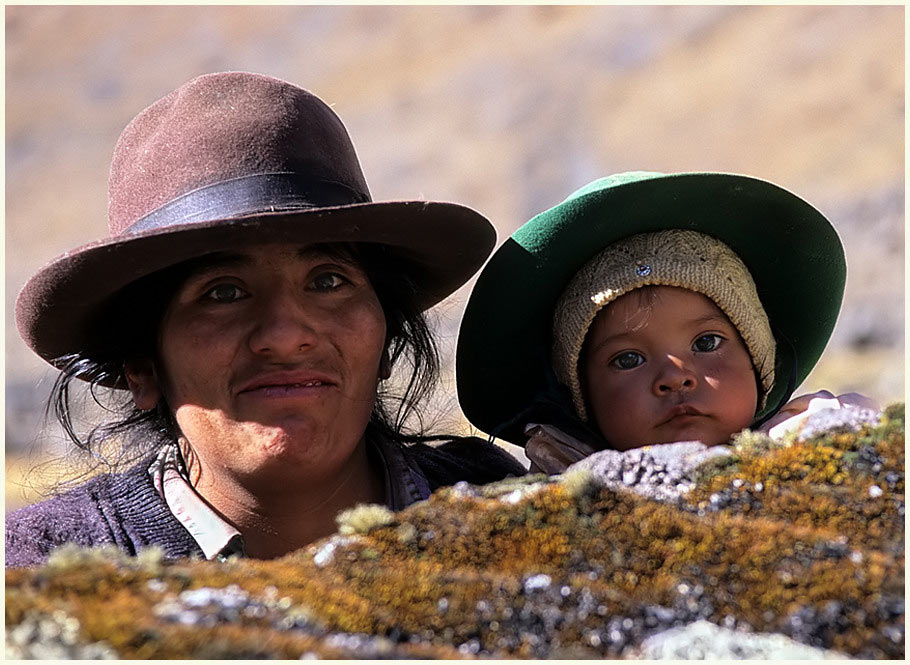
[221, 127]
[227, 160]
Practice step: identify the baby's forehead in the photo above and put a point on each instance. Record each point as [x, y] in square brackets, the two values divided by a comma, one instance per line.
[672, 300]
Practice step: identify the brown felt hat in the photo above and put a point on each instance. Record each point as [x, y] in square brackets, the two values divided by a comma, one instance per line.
[230, 159]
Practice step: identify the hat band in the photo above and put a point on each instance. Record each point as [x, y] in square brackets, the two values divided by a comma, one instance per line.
[247, 195]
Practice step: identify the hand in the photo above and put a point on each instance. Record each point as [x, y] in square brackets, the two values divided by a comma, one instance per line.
[798, 405]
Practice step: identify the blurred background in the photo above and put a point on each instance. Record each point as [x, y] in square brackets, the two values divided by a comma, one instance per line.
[507, 109]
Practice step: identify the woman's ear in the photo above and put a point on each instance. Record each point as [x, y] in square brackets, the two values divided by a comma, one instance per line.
[385, 365]
[143, 383]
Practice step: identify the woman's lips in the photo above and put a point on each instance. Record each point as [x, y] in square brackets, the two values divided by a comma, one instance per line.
[286, 384]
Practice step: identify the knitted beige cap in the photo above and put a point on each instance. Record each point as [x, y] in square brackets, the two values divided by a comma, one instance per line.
[686, 259]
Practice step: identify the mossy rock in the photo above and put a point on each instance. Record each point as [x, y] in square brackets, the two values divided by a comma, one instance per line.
[803, 541]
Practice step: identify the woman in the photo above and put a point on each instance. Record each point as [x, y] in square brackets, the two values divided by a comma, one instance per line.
[252, 300]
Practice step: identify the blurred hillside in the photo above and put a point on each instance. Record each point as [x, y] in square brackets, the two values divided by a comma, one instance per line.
[506, 109]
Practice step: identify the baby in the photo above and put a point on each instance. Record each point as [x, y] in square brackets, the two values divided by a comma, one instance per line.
[661, 337]
[665, 334]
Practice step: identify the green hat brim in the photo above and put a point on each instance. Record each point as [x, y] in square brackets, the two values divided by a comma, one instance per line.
[792, 251]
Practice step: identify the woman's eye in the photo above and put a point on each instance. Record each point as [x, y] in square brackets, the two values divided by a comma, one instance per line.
[707, 343]
[627, 360]
[328, 281]
[224, 293]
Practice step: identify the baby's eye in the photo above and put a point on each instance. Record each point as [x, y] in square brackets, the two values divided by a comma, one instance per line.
[225, 293]
[707, 343]
[627, 360]
[328, 281]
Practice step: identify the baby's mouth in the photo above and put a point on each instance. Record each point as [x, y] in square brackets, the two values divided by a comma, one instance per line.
[681, 411]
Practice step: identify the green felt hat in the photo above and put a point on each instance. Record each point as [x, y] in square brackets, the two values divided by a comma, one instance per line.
[792, 251]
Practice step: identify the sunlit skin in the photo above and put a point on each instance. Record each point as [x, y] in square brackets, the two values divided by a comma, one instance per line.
[663, 364]
[270, 359]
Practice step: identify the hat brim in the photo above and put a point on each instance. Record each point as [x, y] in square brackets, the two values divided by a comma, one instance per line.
[789, 247]
[441, 245]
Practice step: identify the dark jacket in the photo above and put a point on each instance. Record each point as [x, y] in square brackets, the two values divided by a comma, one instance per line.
[125, 509]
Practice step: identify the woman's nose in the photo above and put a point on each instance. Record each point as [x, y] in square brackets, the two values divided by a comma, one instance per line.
[283, 326]
[674, 376]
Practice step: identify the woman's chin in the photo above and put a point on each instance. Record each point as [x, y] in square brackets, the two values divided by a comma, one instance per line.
[286, 445]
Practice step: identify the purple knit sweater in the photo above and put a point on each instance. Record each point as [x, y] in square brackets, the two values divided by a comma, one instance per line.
[125, 509]
[122, 509]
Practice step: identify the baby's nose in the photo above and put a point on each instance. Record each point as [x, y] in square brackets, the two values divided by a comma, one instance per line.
[674, 376]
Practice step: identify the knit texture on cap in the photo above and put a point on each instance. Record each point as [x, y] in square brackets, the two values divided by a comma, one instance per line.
[685, 259]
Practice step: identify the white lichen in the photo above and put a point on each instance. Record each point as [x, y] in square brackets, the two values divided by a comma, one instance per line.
[749, 441]
[702, 640]
[52, 637]
[150, 559]
[363, 519]
[577, 481]
[324, 553]
[537, 582]
[70, 555]
[407, 533]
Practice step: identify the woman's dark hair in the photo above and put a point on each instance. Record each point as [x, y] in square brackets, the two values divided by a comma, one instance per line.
[130, 332]
[409, 342]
